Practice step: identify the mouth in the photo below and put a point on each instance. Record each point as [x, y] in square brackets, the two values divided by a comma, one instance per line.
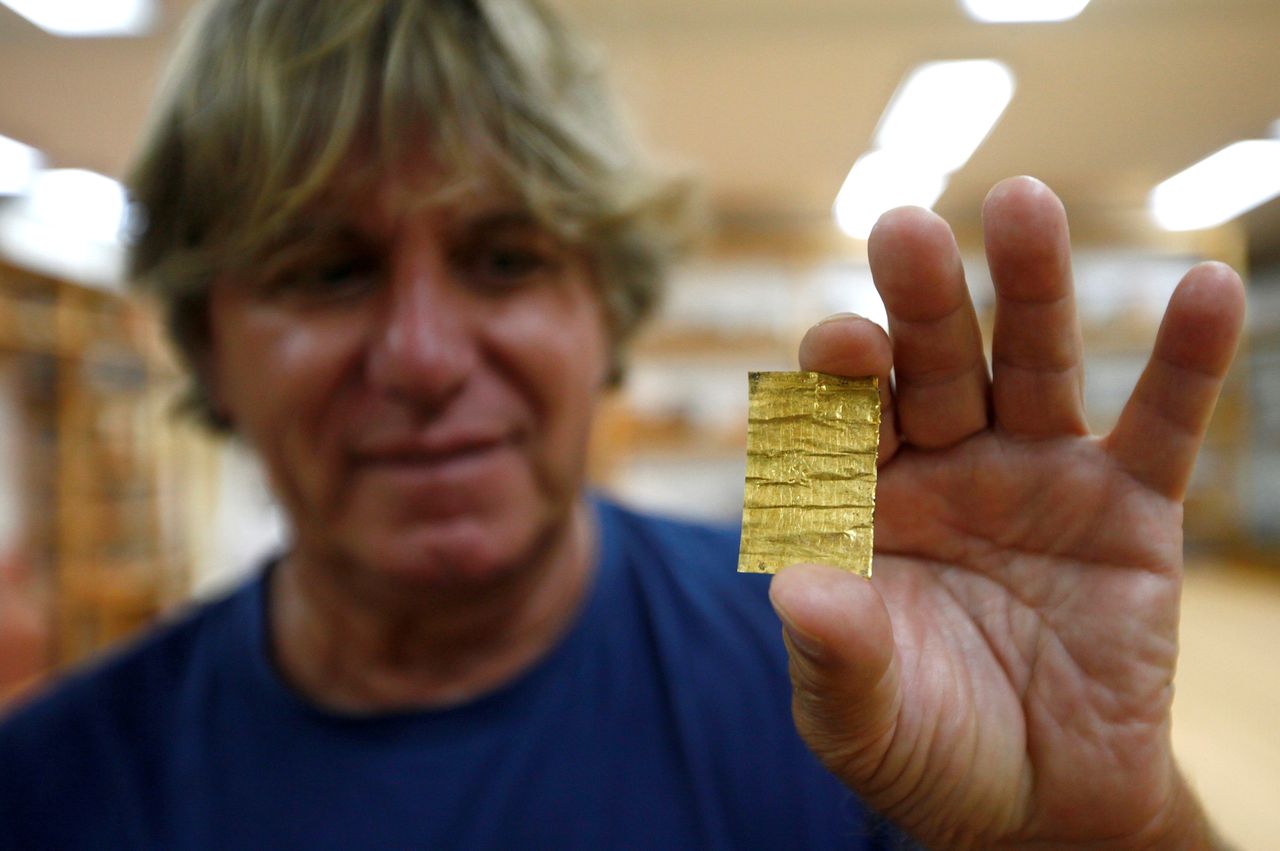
[439, 458]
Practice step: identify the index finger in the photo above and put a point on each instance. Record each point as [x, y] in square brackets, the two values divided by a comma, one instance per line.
[855, 347]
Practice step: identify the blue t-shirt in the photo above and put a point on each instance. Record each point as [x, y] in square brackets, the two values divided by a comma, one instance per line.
[661, 720]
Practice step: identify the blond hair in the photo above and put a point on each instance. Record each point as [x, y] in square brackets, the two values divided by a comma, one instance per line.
[273, 106]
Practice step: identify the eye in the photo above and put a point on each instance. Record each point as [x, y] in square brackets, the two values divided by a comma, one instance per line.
[503, 257]
[335, 280]
[345, 276]
[514, 261]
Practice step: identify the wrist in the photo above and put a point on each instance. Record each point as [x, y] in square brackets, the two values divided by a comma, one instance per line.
[1184, 826]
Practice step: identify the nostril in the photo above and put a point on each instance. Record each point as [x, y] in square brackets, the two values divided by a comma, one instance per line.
[421, 360]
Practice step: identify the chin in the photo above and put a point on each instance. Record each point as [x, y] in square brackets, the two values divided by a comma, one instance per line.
[454, 555]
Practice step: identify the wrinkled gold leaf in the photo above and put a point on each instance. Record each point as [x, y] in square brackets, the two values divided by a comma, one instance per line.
[811, 471]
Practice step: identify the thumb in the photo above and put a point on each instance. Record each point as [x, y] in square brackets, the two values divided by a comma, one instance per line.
[844, 672]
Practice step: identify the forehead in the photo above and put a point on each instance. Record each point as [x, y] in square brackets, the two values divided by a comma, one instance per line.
[456, 202]
[374, 200]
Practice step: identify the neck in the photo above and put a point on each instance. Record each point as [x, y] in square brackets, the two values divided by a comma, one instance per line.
[366, 649]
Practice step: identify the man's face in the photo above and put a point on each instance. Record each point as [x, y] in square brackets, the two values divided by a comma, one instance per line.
[420, 385]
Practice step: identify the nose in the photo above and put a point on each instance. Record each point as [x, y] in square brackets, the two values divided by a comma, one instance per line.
[424, 347]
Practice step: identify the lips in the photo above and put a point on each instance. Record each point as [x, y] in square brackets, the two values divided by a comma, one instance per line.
[427, 452]
[438, 457]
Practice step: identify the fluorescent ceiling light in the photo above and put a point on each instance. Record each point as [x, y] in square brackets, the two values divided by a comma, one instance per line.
[942, 111]
[880, 181]
[87, 17]
[1023, 11]
[83, 205]
[1219, 187]
[936, 120]
[18, 166]
[70, 223]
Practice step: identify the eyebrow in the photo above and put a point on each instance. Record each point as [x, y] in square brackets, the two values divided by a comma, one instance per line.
[331, 234]
[300, 243]
[502, 219]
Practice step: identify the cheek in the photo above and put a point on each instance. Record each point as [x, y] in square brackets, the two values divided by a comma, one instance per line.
[267, 361]
[558, 347]
[574, 363]
[579, 380]
[275, 380]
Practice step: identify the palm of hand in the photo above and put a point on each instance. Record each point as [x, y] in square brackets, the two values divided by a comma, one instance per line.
[1033, 593]
[1006, 677]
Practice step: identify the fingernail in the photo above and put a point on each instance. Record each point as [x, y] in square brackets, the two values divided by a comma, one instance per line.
[838, 317]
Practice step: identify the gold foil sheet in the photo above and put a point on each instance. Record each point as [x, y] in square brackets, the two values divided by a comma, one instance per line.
[811, 471]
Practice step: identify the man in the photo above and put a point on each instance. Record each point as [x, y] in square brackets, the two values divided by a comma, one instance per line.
[401, 246]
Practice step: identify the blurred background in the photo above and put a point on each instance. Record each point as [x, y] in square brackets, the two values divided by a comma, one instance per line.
[1157, 121]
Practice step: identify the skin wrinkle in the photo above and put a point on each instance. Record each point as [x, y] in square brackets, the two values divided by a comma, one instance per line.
[969, 554]
[1121, 838]
[933, 378]
[964, 551]
[1117, 471]
[910, 773]
[1023, 269]
[973, 742]
[929, 365]
[1020, 434]
[974, 748]
[1189, 370]
[956, 675]
[958, 312]
[1066, 297]
[1066, 535]
[1046, 352]
[1073, 719]
[1184, 421]
[1039, 711]
[891, 785]
[958, 785]
[855, 762]
[1042, 369]
[921, 429]
[924, 327]
[1005, 656]
[1146, 399]
[1188, 439]
[915, 310]
[1027, 606]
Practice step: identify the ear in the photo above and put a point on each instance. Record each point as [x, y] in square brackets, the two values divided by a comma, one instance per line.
[205, 397]
[202, 342]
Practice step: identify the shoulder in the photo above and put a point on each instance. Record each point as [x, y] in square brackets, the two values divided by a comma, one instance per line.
[83, 760]
[127, 691]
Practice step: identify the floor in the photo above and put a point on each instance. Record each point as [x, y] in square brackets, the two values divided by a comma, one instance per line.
[1226, 712]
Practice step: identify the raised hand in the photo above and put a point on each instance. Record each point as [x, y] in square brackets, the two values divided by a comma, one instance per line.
[1006, 676]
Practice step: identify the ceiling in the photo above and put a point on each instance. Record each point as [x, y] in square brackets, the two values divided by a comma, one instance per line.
[770, 101]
